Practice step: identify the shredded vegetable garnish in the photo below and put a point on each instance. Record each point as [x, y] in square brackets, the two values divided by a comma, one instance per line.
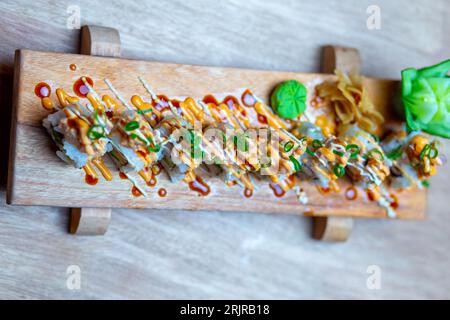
[338, 170]
[96, 132]
[288, 146]
[132, 125]
[296, 163]
[351, 102]
[354, 150]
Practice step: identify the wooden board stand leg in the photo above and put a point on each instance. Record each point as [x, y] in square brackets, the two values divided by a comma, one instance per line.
[348, 60]
[96, 41]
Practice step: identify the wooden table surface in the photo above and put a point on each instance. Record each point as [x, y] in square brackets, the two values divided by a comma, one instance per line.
[167, 254]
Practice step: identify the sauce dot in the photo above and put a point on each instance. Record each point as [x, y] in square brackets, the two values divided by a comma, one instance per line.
[277, 190]
[80, 88]
[351, 193]
[248, 193]
[162, 192]
[122, 175]
[199, 186]
[152, 182]
[73, 67]
[42, 90]
[262, 119]
[91, 180]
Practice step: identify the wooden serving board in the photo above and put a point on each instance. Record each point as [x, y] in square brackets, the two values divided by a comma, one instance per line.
[38, 177]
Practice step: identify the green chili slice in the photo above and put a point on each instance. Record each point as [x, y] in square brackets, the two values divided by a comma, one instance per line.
[377, 151]
[316, 144]
[96, 132]
[425, 151]
[355, 152]
[338, 153]
[433, 153]
[288, 146]
[310, 152]
[338, 170]
[143, 111]
[296, 163]
[132, 125]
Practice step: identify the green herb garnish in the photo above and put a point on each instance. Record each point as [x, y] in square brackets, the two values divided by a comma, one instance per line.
[296, 163]
[355, 152]
[338, 153]
[316, 144]
[132, 125]
[288, 146]
[396, 153]
[142, 111]
[338, 170]
[96, 132]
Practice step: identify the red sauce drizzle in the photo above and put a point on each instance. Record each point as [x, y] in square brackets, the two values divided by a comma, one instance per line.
[277, 190]
[394, 203]
[42, 90]
[262, 119]
[248, 99]
[323, 190]
[73, 67]
[135, 191]
[351, 193]
[248, 193]
[163, 104]
[209, 98]
[91, 180]
[122, 175]
[80, 88]
[199, 186]
[162, 192]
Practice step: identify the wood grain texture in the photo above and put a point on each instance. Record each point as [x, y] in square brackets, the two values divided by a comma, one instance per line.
[41, 178]
[162, 254]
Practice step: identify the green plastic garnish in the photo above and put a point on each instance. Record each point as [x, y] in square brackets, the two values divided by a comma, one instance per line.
[426, 99]
[288, 99]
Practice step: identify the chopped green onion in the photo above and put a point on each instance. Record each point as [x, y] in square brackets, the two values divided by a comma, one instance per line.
[377, 151]
[316, 144]
[96, 132]
[435, 152]
[142, 111]
[310, 152]
[426, 183]
[396, 153]
[297, 165]
[338, 153]
[239, 145]
[266, 165]
[338, 170]
[355, 151]
[132, 125]
[425, 151]
[155, 149]
[288, 146]
[376, 138]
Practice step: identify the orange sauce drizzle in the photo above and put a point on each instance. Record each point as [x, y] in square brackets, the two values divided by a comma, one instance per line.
[103, 169]
[394, 203]
[63, 98]
[199, 186]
